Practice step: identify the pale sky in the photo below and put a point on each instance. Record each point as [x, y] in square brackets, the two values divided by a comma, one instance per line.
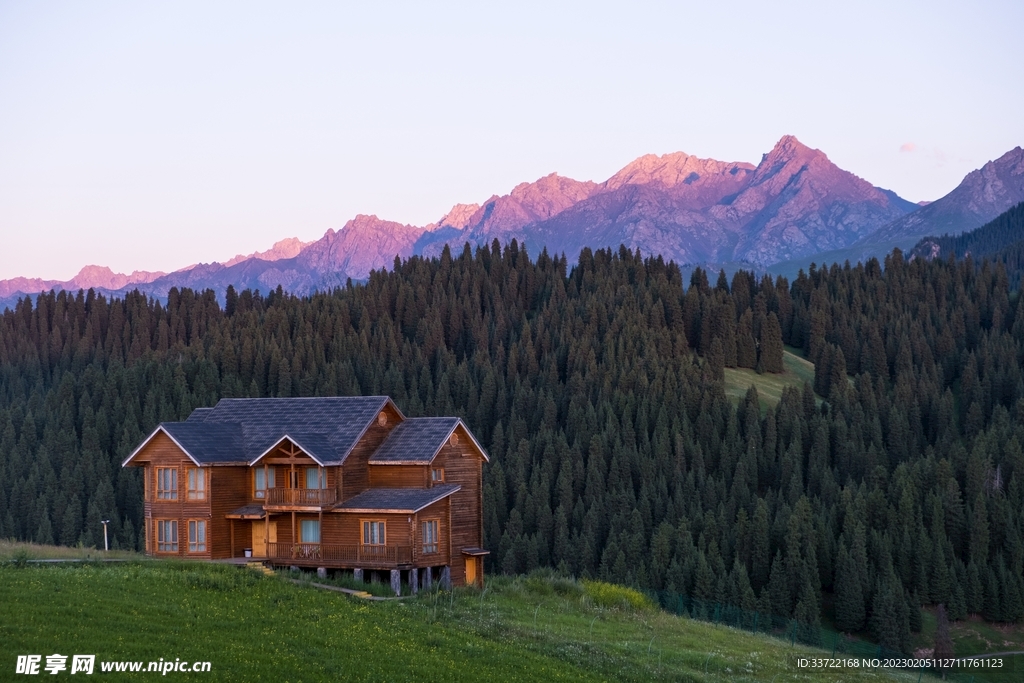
[148, 136]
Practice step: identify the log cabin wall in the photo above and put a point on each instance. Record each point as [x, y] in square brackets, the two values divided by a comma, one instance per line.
[346, 528]
[399, 476]
[227, 491]
[441, 512]
[463, 465]
[162, 452]
[355, 471]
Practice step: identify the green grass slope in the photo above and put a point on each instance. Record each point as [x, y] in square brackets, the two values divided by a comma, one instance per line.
[769, 387]
[257, 628]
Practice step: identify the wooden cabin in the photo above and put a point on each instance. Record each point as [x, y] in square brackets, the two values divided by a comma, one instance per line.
[326, 483]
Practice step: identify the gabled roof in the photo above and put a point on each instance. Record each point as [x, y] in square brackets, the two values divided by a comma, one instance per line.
[199, 414]
[396, 500]
[207, 443]
[418, 440]
[415, 442]
[241, 430]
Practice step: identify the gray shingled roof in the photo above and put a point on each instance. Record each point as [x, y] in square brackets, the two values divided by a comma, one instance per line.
[398, 500]
[248, 511]
[208, 443]
[340, 420]
[417, 440]
[199, 414]
[242, 429]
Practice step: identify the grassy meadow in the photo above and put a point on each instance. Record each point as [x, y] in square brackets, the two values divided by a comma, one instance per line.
[263, 628]
[769, 387]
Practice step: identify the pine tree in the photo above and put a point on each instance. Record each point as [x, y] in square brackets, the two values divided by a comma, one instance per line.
[770, 346]
[943, 642]
[849, 593]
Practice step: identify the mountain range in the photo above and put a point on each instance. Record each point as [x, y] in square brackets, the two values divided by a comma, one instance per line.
[794, 207]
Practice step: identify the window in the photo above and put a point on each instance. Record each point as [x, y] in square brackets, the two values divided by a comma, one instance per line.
[315, 478]
[430, 536]
[309, 531]
[373, 533]
[264, 480]
[196, 535]
[167, 535]
[196, 484]
[437, 476]
[167, 483]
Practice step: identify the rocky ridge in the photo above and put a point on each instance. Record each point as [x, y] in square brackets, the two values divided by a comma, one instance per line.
[793, 206]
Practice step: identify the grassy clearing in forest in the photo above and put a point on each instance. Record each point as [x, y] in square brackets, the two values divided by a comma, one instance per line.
[769, 387]
[254, 627]
[975, 636]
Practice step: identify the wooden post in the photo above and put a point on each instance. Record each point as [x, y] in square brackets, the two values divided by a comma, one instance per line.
[396, 581]
[266, 533]
[414, 580]
[357, 574]
[294, 536]
[428, 578]
[446, 578]
[231, 552]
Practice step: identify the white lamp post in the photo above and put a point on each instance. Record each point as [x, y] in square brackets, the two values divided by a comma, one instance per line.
[105, 522]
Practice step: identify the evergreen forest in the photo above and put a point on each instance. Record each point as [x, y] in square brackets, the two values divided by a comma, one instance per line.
[895, 481]
[998, 241]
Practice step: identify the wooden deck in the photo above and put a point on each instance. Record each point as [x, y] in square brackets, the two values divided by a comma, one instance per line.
[288, 499]
[340, 556]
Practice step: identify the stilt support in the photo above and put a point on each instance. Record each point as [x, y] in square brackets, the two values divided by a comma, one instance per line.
[446, 578]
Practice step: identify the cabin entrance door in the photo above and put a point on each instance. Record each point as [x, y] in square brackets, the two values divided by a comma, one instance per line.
[470, 571]
[259, 543]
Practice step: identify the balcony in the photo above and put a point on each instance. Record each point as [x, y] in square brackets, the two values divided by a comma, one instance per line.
[300, 498]
[347, 556]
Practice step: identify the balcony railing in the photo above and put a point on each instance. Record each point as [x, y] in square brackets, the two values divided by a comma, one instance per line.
[376, 556]
[301, 497]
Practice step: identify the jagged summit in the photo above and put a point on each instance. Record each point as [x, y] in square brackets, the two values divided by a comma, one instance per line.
[794, 204]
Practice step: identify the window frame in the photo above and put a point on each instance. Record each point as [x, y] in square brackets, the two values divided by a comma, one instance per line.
[167, 493]
[436, 479]
[425, 540]
[195, 543]
[302, 533]
[197, 476]
[321, 476]
[166, 545]
[381, 525]
[268, 484]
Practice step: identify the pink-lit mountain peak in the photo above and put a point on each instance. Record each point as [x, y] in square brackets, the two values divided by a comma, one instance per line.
[788, 152]
[551, 194]
[104, 277]
[671, 170]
